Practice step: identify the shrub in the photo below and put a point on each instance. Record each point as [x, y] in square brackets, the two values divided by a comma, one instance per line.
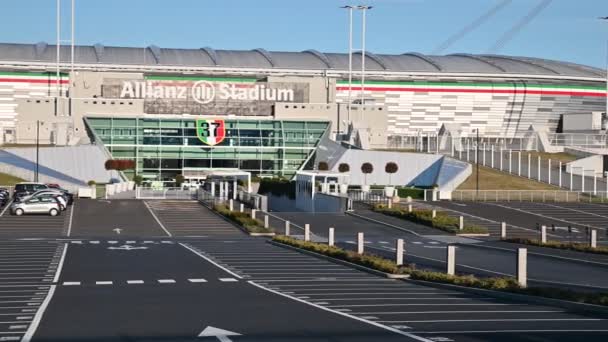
[91, 183]
[137, 179]
[367, 168]
[579, 247]
[323, 166]
[391, 168]
[441, 221]
[412, 192]
[250, 224]
[179, 180]
[343, 167]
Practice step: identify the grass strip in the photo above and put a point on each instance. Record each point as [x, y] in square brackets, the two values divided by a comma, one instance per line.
[441, 220]
[578, 247]
[243, 219]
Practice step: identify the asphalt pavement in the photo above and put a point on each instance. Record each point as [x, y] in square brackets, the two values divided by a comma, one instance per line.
[178, 272]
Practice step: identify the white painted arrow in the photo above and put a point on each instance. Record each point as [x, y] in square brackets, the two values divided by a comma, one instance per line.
[117, 230]
[220, 334]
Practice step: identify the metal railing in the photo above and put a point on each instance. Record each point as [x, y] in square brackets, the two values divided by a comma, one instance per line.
[528, 196]
[165, 193]
[374, 196]
[578, 140]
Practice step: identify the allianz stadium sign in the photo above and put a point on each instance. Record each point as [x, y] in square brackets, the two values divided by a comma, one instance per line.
[205, 92]
[207, 97]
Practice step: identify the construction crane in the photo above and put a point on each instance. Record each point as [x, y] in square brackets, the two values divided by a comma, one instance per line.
[526, 20]
[470, 27]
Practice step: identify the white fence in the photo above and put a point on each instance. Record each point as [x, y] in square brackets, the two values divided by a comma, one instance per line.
[166, 193]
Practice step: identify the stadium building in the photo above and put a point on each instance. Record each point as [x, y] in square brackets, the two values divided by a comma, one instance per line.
[174, 110]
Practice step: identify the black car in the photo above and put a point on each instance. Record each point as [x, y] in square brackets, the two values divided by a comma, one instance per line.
[24, 189]
[66, 193]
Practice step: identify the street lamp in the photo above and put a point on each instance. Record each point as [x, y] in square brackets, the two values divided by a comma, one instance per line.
[477, 163]
[38, 123]
[606, 19]
[350, 58]
[363, 9]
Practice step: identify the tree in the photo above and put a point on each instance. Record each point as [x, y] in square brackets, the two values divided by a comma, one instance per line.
[391, 168]
[179, 180]
[367, 168]
[119, 164]
[343, 167]
[323, 166]
[137, 179]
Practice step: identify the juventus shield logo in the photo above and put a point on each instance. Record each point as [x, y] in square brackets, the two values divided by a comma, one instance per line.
[211, 132]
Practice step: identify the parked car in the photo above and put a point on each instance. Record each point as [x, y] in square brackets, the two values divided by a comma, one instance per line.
[42, 205]
[26, 188]
[63, 203]
[47, 192]
[67, 194]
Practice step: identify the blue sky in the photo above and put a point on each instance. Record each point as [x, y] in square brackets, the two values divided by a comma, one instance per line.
[566, 30]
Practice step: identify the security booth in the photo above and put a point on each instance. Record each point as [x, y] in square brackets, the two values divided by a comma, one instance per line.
[222, 183]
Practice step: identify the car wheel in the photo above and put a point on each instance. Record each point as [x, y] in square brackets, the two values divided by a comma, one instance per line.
[19, 212]
[53, 212]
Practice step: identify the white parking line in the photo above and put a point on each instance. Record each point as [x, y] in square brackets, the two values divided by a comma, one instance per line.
[135, 281]
[446, 312]
[199, 280]
[70, 221]
[157, 220]
[60, 266]
[210, 261]
[397, 331]
[166, 281]
[38, 317]
[103, 283]
[500, 320]
[227, 280]
[71, 283]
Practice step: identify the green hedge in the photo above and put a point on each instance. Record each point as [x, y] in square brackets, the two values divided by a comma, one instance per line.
[243, 219]
[579, 247]
[414, 193]
[441, 221]
[278, 187]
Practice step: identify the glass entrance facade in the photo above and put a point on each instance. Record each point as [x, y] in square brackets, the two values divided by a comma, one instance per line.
[163, 147]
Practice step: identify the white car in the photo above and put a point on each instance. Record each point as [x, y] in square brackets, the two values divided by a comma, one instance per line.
[42, 205]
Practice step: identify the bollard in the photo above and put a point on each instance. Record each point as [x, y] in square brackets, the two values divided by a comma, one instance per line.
[503, 230]
[360, 243]
[231, 205]
[552, 227]
[522, 267]
[390, 204]
[307, 232]
[593, 239]
[266, 225]
[461, 223]
[253, 213]
[451, 260]
[409, 208]
[399, 252]
[434, 213]
[242, 207]
[543, 234]
[287, 228]
[331, 240]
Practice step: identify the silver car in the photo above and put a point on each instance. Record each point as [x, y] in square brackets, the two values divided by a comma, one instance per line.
[37, 205]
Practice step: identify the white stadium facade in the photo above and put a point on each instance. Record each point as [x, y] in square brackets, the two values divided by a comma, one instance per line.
[141, 103]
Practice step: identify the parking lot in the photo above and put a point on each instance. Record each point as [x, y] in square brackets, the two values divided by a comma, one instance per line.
[189, 219]
[35, 225]
[27, 274]
[434, 313]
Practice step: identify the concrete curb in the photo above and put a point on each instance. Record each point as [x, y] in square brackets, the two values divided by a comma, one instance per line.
[262, 234]
[341, 262]
[572, 306]
[548, 256]
[473, 235]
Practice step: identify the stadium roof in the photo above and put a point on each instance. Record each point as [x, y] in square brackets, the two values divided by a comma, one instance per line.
[305, 60]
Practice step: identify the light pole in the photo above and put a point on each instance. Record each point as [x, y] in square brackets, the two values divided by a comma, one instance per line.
[363, 9]
[350, 60]
[477, 162]
[38, 123]
[606, 19]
